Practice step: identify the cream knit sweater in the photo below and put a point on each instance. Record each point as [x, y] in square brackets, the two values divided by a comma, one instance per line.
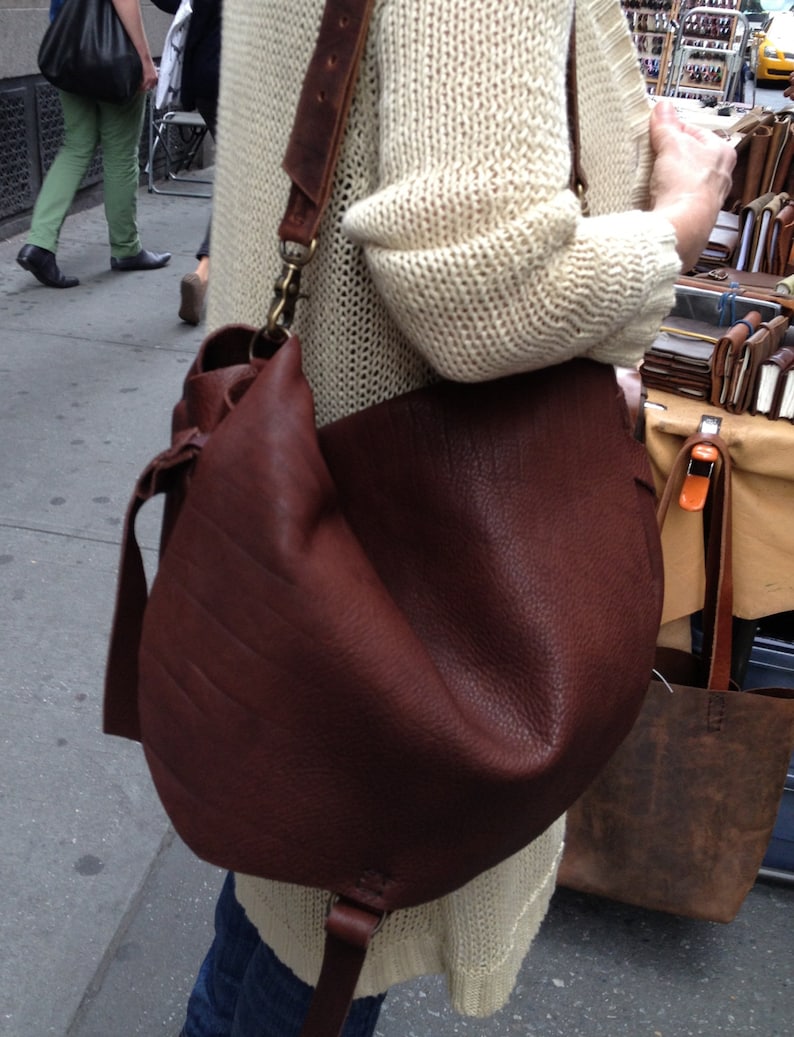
[451, 244]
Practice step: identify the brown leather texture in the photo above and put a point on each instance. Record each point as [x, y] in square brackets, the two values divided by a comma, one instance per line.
[319, 125]
[726, 353]
[780, 263]
[680, 818]
[757, 349]
[380, 658]
[750, 163]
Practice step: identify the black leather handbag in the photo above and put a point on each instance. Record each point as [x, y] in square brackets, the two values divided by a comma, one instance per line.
[86, 50]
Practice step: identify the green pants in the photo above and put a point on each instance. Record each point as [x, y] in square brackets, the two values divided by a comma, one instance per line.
[87, 123]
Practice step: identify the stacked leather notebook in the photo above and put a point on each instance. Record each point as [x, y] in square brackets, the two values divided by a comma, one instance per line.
[742, 367]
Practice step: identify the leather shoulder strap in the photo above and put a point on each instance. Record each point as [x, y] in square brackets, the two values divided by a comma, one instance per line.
[319, 126]
[321, 116]
[718, 604]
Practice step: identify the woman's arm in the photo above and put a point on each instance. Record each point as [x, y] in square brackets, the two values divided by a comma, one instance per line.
[474, 240]
[129, 11]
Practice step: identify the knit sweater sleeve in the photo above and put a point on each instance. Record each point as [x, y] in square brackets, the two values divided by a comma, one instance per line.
[477, 246]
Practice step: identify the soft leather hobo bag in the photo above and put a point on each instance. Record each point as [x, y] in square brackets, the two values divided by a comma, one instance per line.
[381, 657]
[381, 660]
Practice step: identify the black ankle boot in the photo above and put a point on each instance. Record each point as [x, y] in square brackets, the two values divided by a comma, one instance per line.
[41, 263]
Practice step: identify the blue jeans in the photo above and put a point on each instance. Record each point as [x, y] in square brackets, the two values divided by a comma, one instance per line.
[243, 990]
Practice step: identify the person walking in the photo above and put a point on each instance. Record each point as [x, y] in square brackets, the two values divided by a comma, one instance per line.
[199, 91]
[452, 245]
[87, 123]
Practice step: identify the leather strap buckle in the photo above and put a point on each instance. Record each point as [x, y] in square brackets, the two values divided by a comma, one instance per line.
[702, 458]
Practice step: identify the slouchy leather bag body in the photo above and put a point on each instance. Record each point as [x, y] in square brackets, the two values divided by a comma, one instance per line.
[382, 656]
[390, 654]
[680, 818]
[86, 51]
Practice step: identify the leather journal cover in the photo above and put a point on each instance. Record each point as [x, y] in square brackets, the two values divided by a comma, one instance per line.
[780, 176]
[750, 219]
[726, 353]
[783, 406]
[768, 376]
[780, 241]
[777, 144]
[766, 223]
[750, 163]
[750, 356]
[722, 241]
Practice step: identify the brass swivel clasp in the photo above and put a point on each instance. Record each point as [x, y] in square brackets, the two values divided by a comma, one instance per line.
[286, 290]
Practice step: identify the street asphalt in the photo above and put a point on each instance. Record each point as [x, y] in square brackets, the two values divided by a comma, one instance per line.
[105, 914]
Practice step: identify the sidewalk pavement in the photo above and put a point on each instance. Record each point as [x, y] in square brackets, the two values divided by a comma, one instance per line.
[105, 914]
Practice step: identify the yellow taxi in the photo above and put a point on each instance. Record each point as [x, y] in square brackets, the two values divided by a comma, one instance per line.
[776, 48]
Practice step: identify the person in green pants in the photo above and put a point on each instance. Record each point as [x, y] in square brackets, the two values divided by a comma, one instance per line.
[87, 123]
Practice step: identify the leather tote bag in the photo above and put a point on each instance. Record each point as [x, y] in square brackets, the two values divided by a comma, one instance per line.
[680, 818]
[86, 51]
[380, 657]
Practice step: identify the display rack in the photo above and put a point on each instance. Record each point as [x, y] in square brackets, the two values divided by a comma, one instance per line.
[690, 48]
[651, 24]
[709, 52]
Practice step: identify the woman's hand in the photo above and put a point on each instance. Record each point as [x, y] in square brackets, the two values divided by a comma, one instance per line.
[129, 12]
[690, 179]
[149, 80]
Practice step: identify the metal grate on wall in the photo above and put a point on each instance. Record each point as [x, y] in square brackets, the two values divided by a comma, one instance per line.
[50, 134]
[31, 131]
[16, 174]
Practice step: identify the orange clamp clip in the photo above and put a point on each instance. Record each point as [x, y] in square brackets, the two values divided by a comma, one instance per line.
[696, 484]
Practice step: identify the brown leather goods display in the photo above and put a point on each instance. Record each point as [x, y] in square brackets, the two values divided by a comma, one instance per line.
[690, 357]
[381, 657]
[758, 285]
[681, 816]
